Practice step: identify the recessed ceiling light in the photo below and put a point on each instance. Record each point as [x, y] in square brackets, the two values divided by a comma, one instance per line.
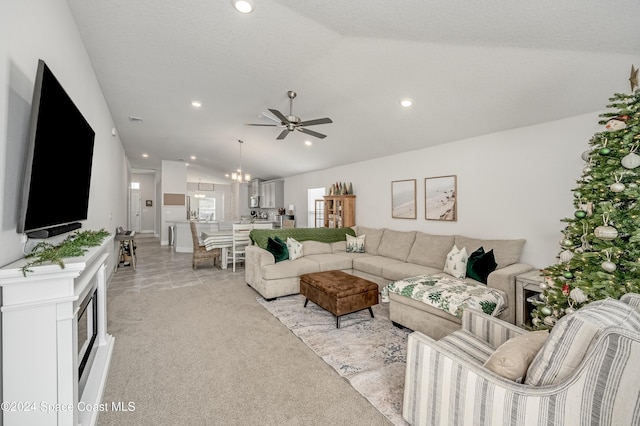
[193, 157]
[406, 102]
[196, 104]
[308, 143]
[243, 6]
[145, 155]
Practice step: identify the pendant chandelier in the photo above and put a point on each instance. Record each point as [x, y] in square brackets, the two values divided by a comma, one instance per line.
[238, 176]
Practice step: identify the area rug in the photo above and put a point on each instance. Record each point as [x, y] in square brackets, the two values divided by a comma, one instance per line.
[369, 352]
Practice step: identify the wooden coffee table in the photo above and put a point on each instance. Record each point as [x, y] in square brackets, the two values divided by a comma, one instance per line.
[338, 292]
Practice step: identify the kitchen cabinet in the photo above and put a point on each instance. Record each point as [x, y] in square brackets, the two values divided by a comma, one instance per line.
[339, 211]
[272, 194]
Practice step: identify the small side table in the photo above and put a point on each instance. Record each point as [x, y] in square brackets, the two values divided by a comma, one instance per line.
[527, 285]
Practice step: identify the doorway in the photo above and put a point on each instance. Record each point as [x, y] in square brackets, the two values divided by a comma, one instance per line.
[135, 206]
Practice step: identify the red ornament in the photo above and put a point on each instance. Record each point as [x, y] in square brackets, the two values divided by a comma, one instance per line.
[565, 289]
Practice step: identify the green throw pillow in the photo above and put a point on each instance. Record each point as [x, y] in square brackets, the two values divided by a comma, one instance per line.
[278, 249]
[481, 264]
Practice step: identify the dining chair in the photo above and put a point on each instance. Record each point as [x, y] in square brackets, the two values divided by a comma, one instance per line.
[200, 253]
[240, 241]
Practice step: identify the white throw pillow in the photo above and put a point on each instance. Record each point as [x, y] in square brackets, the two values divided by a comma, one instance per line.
[355, 244]
[511, 360]
[456, 264]
[294, 247]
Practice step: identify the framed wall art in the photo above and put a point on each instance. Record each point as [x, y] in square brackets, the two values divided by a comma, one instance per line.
[441, 198]
[403, 199]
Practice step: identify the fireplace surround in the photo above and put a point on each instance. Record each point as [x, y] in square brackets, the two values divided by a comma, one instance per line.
[55, 347]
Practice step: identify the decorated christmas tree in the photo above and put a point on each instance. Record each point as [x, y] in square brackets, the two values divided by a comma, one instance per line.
[600, 246]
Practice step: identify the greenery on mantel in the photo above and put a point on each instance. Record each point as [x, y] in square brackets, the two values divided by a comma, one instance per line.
[74, 245]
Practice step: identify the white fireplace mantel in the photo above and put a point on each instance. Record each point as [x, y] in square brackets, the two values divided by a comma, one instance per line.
[39, 341]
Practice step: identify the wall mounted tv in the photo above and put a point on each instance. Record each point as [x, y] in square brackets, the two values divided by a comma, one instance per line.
[58, 166]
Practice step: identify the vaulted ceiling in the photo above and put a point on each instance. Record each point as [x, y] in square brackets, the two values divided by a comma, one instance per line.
[471, 68]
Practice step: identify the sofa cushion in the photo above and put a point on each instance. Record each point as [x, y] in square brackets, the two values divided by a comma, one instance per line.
[506, 252]
[289, 269]
[571, 337]
[481, 264]
[339, 247]
[396, 244]
[315, 247]
[328, 262]
[511, 360]
[399, 271]
[372, 241]
[372, 264]
[430, 250]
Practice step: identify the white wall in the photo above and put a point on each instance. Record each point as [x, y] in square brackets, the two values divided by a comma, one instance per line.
[44, 29]
[512, 184]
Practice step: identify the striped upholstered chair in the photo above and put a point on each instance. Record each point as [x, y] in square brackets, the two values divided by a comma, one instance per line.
[586, 372]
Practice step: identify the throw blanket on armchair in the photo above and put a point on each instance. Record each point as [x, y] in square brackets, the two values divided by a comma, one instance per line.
[450, 294]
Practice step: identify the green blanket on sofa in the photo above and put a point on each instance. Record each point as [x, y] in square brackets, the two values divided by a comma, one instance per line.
[324, 235]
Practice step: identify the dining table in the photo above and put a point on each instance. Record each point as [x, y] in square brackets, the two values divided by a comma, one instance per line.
[218, 240]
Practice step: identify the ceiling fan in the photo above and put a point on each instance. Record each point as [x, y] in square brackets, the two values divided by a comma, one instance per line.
[291, 122]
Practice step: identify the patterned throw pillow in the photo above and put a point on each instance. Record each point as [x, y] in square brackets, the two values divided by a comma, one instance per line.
[295, 248]
[456, 264]
[355, 244]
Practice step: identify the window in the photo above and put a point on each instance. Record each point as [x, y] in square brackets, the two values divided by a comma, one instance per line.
[135, 185]
[314, 194]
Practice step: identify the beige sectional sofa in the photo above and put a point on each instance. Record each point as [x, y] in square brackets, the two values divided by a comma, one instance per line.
[390, 255]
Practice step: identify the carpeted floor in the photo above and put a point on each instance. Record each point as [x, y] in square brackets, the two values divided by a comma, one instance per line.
[196, 348]
[369, 352]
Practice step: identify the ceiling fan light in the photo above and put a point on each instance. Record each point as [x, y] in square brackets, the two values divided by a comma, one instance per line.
[243, 6]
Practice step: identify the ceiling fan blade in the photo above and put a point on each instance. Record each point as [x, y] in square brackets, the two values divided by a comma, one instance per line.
[280, 116]
[316, 121]
[312, 133]
[262, 125]
[269, 116]
[283, 134]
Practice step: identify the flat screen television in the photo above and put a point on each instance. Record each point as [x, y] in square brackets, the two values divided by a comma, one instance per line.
[59, 158]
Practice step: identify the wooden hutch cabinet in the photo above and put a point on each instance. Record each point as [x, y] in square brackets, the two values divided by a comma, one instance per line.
[339, 211]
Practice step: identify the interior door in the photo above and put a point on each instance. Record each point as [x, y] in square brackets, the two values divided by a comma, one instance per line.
[134, 210]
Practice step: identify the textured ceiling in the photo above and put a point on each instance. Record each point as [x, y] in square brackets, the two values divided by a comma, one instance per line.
[471, 68]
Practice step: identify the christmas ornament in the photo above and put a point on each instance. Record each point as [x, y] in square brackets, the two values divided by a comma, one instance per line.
[542, 297]
[606, 233]
[535, 321]
[580, 214]
[550, 321]
[567, 274]
[543, 286]
[586, 169]
[617, 187]
[608, 265]
[587, 207]
[566, 256]
[566, 242]
[545, 310]
[604, 151]
[616, 123]
[586, 154]
[569, 311]
[578, 295]
[630, 161]
[565, 289]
